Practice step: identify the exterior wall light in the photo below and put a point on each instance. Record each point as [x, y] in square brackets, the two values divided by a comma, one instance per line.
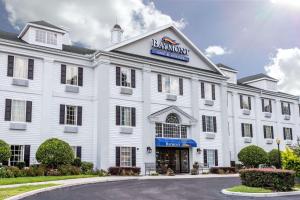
[199, 150]
[149, 150]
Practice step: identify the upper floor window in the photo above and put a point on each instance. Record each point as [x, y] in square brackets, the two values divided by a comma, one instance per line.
[247, 130]
[70, 115]
[206, 93]
[71, 75]
[171, 128]
[285, 108]
[266, 105]
[287, 133]
[245, 102]
[125, 116]
[20, 67]
[209, 124]
[170, 84]
[268, 132]
[46, 37]
[18, 110]
[125, 77]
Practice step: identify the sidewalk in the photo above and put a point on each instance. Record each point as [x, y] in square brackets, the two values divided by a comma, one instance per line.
[80, 181]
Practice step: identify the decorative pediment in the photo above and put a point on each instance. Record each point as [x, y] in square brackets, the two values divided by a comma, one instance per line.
[161, 116]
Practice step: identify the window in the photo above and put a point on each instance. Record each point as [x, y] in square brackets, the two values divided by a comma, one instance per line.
[125, 77]
[125, 116]
[18, 111]
[268, 132]
[125, 157]
[205, 94]
[245, 102]
[17, 154]
[21, 68]
[210, 157]
[209, 123]
[172, 128]
[266, 105]
[285, 108]
[72, 75]
[46, 37]
[74, 149]
[247, 130]
[51, 38]
[71, 115]
[40, 36]
[170, 84]
[287, 133]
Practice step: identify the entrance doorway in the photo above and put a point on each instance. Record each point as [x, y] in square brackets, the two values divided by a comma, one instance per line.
[175, 158]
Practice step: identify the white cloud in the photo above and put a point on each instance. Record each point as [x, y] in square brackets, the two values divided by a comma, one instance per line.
[90, 21]
[216, 51]
[285, 66]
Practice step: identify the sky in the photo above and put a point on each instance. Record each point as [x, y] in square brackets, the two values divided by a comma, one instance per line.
[252, 36]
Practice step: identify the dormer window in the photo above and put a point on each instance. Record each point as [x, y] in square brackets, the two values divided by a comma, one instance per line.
[46, 37]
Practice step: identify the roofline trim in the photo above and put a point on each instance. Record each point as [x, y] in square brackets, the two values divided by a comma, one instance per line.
[28, 25]
[259, 79]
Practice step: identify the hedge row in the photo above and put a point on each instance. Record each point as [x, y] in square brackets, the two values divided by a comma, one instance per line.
[276, 179]
[124, 171]
[222, 170]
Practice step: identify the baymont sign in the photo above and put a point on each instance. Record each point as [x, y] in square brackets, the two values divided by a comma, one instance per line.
[169, 48]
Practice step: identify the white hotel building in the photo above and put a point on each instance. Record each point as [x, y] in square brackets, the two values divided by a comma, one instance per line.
[154, 98]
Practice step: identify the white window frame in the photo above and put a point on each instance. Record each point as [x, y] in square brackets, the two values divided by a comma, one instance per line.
[25, 60]
[167, 84]
[125, 120]
[69, 69]
[127, 72]
[245, 102]
[74, 148]
[12, 105]
[125, 157]
[51, 38]
[75, 115]
[268, 130]
[211, 157]
[286, 110]
[267, 106]
[247, 130]
[21, 155]
[287, 132]
[46, 37]
[209, 123]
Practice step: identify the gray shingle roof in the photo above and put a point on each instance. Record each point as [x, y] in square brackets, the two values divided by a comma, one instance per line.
[254, 77]
[225, 66]
[44, 23]
[67, 48]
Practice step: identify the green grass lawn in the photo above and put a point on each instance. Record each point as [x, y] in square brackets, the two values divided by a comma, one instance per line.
[19, 180]
[297, 186]
[9, 192]
[246, 189]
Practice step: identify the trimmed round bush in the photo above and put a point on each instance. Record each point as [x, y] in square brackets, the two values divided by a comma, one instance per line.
[54, 152]
[273, 157]
[276, 179]
[4, 151]
[252, 156]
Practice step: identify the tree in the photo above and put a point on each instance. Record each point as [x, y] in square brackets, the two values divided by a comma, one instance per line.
[54, 152]
[273, 157]
[290, 160]
[5, 152]
[252, 156]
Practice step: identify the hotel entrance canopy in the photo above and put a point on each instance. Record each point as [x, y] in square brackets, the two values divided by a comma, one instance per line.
[174, 142]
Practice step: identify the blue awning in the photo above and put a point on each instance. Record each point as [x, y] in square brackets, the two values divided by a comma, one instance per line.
[173, 142]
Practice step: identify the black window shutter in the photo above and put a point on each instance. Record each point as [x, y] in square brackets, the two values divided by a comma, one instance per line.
[205, 157]
[291, 131]
[241, 102]
[133, 156]
[133, 117]
[7, 116]
[262, 105]
[216, 158]
[27, 155]
[243, 130]
[215, 123]
[282, 112]
[249, 102]
[180, 86]
[62, 114]
[202, 91]
[265, 132]
[28, 111]
[79, 115]
[133, 78]
[118, 156]
[63, 74]
[289, 108]
[270, 103]
[10, 65]
[30, 68]
[213, 92]
[80, 76]
[272, 132]
[284, 134]
[118, 112]
[203, 123]
[118, 76]
[251, 131]
[159, 83]
[78, 152]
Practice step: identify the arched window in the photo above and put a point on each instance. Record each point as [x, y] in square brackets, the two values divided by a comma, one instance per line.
[172, 119]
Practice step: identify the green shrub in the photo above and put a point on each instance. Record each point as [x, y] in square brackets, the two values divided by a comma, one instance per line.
[276, 179]
[5, 173]
[100, 172]
[77, 162]
[87, 167]
[273, 158]
[252, 156]
[291, 161]
[16, 171]
[67, 170]
[54, 152]
[21, 165]
[5, 152]
[222, 170]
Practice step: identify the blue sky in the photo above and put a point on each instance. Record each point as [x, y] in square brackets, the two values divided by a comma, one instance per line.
[251, 30]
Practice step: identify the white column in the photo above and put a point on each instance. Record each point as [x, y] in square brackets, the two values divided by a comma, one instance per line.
[257, 137]
[236, 130]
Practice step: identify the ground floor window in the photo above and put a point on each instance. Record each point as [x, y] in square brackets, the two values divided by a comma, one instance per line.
[126, 156]
[17, 154]
[210, 157]
[76, 151]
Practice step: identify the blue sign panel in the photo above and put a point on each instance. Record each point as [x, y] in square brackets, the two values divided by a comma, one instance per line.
[173, 142]
[170, 55]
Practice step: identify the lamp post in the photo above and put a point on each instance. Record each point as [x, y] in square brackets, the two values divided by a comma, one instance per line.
[279, 157]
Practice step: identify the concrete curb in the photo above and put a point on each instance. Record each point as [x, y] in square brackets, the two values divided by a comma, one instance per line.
[273, 194]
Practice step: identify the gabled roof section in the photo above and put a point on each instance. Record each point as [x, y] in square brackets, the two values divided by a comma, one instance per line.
[256, 77]
[46, 24]
[178, 32]
[220, 65]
